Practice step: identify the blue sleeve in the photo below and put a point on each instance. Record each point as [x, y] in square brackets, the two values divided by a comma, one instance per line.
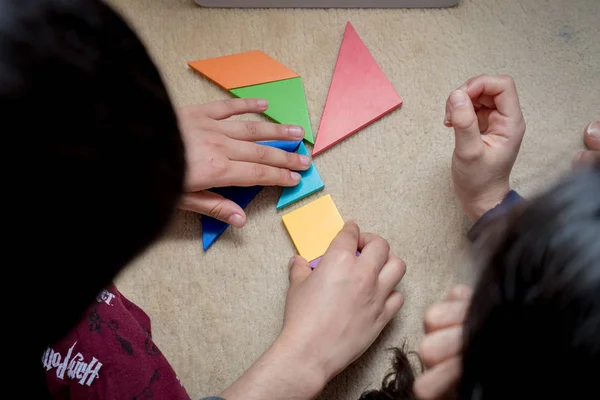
[213, 398]
[508, 203]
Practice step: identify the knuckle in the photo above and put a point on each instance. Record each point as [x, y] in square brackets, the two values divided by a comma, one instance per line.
[262, 152]
[432, 315]
[426, 351]
[401, 265]
[250, 128]
[217, 211]
[215, 143]
[284, 176]
[230, 104]
[291, 158]
[249, 103]
[260, 171]
[218, 165]
[468, 155]
[385, 245]
[507, 80]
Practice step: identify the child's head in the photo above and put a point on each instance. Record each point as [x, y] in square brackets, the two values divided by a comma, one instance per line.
[533, 328]
[97, 162]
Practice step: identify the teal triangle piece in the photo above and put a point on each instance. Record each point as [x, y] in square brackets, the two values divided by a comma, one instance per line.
[310, 183]
[287, 102]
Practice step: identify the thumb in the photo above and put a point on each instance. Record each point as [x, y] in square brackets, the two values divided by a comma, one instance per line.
[214, 205]
[299, 270]
[462, 116]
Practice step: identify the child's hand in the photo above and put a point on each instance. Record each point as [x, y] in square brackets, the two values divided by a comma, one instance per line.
[222, 153]
[489, 127]
[591, 138]
[441, 348]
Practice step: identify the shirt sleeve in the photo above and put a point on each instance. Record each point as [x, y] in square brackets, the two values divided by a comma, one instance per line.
[508, 203]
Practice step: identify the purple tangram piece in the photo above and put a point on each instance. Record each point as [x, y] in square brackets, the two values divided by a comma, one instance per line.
[314, 263]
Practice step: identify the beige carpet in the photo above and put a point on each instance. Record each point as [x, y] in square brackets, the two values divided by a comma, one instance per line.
[214, 313]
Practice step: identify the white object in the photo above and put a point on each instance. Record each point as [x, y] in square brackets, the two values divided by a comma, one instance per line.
[328, 3]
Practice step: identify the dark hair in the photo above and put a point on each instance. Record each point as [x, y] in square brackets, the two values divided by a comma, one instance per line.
[533, 327]
[398, 383]
[96, 159]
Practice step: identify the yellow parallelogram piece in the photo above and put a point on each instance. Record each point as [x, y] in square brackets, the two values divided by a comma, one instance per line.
[313, 227]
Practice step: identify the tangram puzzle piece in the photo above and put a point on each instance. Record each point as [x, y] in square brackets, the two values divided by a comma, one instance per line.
[359, 93]
[313, 227]
[242, 196]
[213, 228]
[244, 69]
[310, 183]
[287, 102]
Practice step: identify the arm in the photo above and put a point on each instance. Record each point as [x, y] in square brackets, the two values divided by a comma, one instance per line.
[332, 315]
[488, 127]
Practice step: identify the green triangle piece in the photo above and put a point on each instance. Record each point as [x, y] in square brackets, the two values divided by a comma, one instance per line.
[287, 102]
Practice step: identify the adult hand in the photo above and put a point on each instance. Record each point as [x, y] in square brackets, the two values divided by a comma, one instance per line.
[441, 348]
[489, 127]
[332, 315]
[222, 152]
[591, 138]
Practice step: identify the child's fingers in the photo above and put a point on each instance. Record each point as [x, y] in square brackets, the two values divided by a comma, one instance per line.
[460, 292]
[215, 206]
[501, 88]
[439, 381]
[444, 315]
[441, 345]
[461, 115]
[586, 158]
[592, 136]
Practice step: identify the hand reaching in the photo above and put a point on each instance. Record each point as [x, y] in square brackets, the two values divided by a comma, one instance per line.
[332, 315]
[221, 152]
[441, 348]
[489, 127]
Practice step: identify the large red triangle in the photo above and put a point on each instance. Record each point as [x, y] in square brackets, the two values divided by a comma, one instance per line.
[359, 94]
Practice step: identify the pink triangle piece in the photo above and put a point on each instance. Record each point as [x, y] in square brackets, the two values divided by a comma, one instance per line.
[359, 94]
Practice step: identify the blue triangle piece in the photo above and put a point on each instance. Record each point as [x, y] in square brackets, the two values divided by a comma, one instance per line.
[242, 196]
[310, 183]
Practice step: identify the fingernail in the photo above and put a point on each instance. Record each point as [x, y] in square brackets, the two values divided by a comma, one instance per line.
[295, 176]
[594, 130]
[447, 119]
[236, 220]
[263, 103]
[458, 98]
[305, 160]
[296, 132]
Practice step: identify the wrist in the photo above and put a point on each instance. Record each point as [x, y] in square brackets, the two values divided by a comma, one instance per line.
[282, 372]
[476, 208]
[306, 376]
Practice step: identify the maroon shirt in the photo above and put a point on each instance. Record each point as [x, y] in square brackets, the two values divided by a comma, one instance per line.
[110, 355]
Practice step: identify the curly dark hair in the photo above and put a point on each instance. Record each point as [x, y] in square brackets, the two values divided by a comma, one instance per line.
[533, 327]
